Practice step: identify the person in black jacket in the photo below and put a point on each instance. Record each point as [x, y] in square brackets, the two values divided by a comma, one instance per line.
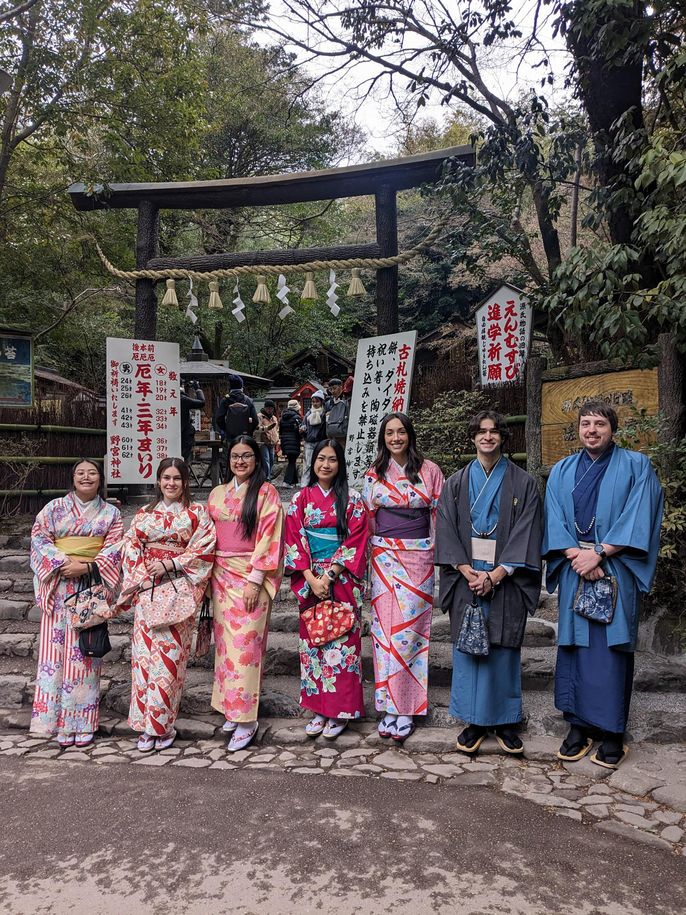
[192, 398]
[236, 414]
[289, 433]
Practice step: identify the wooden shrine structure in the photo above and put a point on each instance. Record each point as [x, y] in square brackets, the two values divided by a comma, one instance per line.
[381, 179]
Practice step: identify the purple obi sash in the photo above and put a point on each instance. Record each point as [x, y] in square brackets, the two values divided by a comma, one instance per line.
[403, 523]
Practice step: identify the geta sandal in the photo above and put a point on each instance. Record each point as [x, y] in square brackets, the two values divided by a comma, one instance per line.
[607, 762]
[402, 732]
[473, 736]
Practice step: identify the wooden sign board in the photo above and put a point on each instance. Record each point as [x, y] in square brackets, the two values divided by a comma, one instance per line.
[561, 401]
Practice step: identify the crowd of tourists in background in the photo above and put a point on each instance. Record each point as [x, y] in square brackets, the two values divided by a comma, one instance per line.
[484, 528]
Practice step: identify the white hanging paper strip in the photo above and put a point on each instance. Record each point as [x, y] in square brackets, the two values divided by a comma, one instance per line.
[193, 303]
[331, 297]
[285, 311]
[237, 312]
[282, 289]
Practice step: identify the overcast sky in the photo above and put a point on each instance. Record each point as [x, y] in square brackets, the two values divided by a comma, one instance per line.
[507, 74]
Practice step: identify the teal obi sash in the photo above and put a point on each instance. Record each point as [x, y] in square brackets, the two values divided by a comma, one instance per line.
[322, 541]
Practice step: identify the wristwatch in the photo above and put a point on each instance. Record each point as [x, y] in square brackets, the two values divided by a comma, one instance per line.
[600, 550]
[330, 574]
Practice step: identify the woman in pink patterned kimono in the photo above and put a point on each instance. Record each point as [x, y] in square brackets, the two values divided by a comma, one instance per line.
[401, 491]
[248, 567]
[171, 534]
[68, 534]
[327, 532]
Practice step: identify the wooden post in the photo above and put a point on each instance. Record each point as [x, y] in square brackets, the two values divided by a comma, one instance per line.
[532, 428]
[670, 388]
[387, 278]
[145, 327]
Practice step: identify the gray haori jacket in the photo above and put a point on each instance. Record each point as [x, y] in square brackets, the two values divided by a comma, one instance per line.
[518, 540]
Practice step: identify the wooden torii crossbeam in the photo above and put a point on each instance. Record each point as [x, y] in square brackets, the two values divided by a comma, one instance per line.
[381, 179]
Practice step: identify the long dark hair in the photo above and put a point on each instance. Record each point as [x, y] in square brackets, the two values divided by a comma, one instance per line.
[248, 520]
[415, 458]
[93, 464]
[180, 465]
[339, 485]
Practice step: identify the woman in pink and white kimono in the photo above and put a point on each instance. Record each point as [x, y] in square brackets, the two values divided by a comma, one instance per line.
[248, 518]
[171, 534]
[401, 491]
[327, 532]
[68, 534]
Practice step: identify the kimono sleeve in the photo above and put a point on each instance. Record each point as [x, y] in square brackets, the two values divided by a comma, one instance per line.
[352, 553]
[266, 556]
[46, 559]
[297, 556]
[449, 549]
[523, 546]
[368, 498]
[197, 559]
[557, 536]
[108, 559]
[134, 571]
[435, 481]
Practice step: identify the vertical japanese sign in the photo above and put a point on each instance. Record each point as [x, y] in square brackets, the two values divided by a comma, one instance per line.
[503, 324]
[383, 380]
[16, 370]
[143, 416]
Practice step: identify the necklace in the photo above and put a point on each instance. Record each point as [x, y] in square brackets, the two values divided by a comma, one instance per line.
[588, 529]
[483, 534]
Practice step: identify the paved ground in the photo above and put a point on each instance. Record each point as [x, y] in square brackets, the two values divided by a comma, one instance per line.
[99, 839]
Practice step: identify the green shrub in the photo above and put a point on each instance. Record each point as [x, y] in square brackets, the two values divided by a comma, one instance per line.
[442, 428]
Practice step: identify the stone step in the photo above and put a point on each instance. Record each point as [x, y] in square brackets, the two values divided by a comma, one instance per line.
[657, 717]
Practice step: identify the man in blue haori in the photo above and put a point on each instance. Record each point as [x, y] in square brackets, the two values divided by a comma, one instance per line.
[603, 511]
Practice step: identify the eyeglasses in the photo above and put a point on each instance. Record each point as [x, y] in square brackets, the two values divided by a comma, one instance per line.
[243, 458]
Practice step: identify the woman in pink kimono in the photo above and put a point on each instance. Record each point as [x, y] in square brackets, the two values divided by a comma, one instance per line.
[327, 533]
[248, 567]
[171, 534]
[68, 534]
[401, 491]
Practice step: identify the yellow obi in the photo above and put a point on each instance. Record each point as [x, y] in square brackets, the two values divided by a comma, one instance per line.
[80, 547]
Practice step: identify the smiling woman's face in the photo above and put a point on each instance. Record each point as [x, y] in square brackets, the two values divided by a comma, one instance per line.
[86, 481]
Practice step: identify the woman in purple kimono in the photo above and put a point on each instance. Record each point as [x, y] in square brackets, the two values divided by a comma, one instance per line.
[326, 552]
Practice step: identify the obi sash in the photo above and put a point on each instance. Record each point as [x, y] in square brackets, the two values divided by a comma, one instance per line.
[403, 523]
[80, 547]
[322, 541]
[230, 540]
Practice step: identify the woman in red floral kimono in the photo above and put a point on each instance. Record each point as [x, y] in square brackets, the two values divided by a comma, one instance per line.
[326, 551]
[171, 534]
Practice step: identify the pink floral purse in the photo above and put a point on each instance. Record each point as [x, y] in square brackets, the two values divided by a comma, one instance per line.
[89, 603]
[167, 602]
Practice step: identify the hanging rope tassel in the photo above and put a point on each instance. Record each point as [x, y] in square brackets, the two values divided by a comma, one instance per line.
[170, 294]
[215, 300]
[356, 287]
[262, 293]
[309, 293]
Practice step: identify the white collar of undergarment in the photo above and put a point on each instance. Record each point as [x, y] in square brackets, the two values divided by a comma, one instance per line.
[236, 484]
[173, 507]
[325, 492]
[401, 467]
[91, 503]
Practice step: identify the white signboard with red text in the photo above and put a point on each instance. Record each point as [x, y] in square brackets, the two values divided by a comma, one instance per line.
[503, 326]
[383, 380]
[143, 418]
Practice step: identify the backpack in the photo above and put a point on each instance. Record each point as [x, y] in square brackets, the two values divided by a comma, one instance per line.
[237, 421]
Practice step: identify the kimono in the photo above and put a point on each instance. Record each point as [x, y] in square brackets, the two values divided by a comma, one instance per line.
[402, 578]
[615, 500]
[67, 693]
[159, 656]
[241, 636]
[331, 674]
[503, 507]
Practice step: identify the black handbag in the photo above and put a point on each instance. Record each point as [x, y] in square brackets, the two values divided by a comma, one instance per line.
[95, 642]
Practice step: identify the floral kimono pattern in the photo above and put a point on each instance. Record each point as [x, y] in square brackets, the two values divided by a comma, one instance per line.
[241, 636]
[159, 656]
[331, 674]
[67, 693]
[402, 578]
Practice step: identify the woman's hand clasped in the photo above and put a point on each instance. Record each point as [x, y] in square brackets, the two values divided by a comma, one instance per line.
[73, 568]
[320, 587]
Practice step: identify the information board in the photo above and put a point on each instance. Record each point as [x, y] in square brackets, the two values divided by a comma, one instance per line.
[16, 370]
[383, 382]
[143, 408]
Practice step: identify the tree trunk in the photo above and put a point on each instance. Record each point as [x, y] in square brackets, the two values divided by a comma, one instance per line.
[671, 379]
[387, 321]
[147, 242]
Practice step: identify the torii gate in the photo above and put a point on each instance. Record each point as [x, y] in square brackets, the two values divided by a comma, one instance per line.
[382, 179]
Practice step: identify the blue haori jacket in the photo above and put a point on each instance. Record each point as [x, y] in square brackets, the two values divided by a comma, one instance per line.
[628, 514]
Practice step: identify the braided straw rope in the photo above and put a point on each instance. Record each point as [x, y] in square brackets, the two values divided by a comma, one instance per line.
[373, 263]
